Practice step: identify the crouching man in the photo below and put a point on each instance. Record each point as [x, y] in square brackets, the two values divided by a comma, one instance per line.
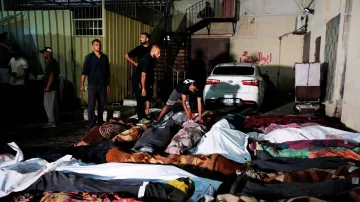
[182, 91]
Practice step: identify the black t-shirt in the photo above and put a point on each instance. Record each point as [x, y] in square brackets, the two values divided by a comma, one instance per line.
[183, 88]
[138, 52]
[147, 65]
[52, 67]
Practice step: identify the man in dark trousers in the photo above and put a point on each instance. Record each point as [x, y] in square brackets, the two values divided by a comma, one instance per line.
[51, 86]
[96, 67]
[139, 52]
[146, 81]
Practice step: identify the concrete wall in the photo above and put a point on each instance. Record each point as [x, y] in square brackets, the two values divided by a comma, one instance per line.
[258, 37]
[351, 102]
[326, 12]
[261, 24]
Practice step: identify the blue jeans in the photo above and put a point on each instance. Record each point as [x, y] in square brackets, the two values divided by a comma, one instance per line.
[96, 93]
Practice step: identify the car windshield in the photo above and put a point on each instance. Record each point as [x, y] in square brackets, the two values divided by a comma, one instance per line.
[234, 70]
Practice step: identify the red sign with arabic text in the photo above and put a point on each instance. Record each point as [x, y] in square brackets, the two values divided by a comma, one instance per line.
[260, 59]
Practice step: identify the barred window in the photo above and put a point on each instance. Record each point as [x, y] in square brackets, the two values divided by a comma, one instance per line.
[88, 27]
[88, 21]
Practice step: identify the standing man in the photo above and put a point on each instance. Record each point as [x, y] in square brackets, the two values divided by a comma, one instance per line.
[139, 52]
[96, 67]
[146, 81]
[51, 86]
[19, 67]
[183, 91]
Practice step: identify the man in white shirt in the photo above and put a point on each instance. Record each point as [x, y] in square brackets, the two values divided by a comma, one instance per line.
[18, 66]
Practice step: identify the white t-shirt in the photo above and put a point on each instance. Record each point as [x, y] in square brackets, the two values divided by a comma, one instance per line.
[18, 66]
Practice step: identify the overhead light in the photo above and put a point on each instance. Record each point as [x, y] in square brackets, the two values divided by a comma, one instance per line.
[309, 10]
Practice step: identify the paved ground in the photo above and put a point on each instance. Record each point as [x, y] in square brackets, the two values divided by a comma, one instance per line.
[32, 136]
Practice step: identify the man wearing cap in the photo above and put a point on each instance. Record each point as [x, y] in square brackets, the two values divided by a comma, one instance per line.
[51, 85]
[97, 69]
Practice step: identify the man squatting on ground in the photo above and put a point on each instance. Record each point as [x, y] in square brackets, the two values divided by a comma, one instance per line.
[182, 91]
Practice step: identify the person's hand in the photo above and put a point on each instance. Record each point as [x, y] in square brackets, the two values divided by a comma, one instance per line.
[143, 92]
[136, 64]
[46, 89]
[188, 116]
[200, 120]
[108, 89]
[82, 89]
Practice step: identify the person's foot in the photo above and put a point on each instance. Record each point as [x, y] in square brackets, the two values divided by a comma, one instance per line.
[50, 125]
[144, 121]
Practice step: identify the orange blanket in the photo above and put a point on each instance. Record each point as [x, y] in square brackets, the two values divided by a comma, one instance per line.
[213, 166]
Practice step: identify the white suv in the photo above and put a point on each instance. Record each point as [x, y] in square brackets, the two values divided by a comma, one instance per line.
[235, 84]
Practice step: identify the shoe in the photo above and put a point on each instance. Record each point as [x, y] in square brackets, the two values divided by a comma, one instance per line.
[144, 121]
[146, 149]
[50, 125]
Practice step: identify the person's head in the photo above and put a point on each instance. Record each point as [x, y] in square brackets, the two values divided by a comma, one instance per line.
[96, 45]
[14, 50]
[144, 38]
[193, 87]
[47, 52]
[207, 4]
[155, 52]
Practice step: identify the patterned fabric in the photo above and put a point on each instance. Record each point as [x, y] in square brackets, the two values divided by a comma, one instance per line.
[112, 128]
[24, 197]
[105, 132]
[312, 152]
[301, 144]
[84, 197]
[245, 198]
[312, 175]
[206, 166]
[339, 152]
[69, 197]
[130, 135]
[252, 122]
[186, 138]
[274, 126]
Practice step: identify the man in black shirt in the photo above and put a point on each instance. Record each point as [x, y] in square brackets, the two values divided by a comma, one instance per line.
[182, 91]
[138, 52]
[51, 85]
[146, 81]
[96, 67]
